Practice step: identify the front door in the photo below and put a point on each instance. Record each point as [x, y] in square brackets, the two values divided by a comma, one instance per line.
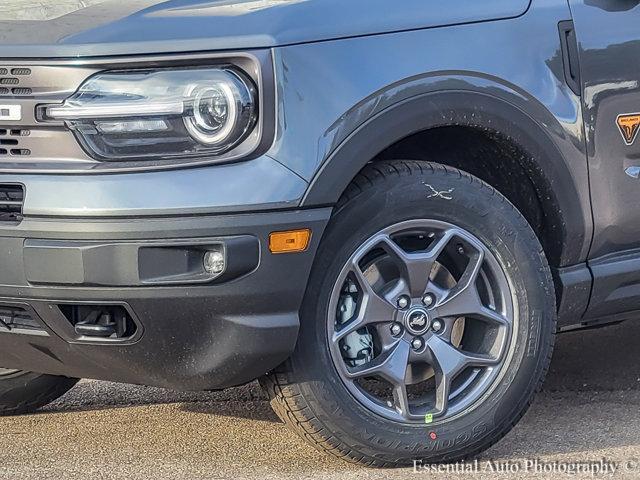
[608, 34]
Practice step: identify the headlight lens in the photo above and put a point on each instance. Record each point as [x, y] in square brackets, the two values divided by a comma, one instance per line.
[161, 113]
[212, 109]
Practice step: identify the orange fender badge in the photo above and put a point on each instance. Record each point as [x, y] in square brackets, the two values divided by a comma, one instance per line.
[629, 124]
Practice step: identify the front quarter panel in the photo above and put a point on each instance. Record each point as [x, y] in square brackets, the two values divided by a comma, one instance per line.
[331, 93]
[150, 26]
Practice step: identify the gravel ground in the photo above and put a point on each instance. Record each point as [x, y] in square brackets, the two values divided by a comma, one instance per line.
[588, 412]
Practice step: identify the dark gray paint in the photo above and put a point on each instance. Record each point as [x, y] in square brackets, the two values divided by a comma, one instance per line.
[348, 83]
[608, 33]
[257, 184]
[379, 73]
[609, 43]
[116, 27]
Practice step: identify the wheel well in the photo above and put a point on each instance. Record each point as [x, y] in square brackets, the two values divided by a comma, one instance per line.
[501, 163]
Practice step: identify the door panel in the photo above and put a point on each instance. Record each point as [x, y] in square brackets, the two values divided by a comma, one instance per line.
[608, 33]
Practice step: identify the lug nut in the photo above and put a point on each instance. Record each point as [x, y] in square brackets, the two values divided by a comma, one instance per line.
[417, 343]
[437, 325]
[403, 301]
[428, 299]
[396, 329]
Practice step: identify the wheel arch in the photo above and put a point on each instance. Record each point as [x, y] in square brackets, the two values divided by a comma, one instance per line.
[565, 229]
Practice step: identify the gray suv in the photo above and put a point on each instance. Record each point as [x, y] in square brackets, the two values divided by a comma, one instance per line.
[382, 210]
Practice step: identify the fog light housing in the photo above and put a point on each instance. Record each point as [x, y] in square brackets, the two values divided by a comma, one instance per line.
[214, 262]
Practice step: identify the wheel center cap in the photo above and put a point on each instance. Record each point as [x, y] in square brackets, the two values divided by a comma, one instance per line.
[417, 320]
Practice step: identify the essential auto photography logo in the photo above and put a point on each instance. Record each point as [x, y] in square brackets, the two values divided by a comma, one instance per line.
[594, 468]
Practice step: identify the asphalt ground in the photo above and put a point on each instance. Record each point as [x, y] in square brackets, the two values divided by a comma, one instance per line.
[587, 412]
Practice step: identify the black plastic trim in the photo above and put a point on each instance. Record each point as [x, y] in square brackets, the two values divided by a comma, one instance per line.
[573, 289]
[136, 263]
[58, 321]
[570, 59]
[567, 237]
[616, 284]
[189, 337]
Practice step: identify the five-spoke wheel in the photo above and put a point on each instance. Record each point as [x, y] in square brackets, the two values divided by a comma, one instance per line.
[420, 319]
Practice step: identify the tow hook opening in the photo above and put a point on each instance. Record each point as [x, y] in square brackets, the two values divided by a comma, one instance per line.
[104, 322]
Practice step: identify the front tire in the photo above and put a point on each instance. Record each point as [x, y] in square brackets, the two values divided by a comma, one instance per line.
[25, 392]
[394, 364]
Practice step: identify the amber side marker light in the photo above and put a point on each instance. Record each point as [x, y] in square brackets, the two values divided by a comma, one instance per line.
[290, 241]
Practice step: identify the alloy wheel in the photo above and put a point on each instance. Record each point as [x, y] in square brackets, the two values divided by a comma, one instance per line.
[420, 322]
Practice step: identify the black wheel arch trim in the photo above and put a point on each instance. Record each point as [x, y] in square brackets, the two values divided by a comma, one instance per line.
[463, 108]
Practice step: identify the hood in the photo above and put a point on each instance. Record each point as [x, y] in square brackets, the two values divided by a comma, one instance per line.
[81, 28]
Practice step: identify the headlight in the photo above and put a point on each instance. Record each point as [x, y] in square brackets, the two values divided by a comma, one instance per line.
[161, 113]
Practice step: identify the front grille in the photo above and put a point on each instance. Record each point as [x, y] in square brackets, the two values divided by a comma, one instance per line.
[10, 142]
[25, 143]
[11, 201]
[11, 82]
[18, 319]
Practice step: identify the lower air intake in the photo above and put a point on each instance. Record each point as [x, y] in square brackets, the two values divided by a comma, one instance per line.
[11, 201]
[16, 319]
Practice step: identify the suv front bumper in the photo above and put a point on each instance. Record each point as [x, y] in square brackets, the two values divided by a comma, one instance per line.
[189, 337]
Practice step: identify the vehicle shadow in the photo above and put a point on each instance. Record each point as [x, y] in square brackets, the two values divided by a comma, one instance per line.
[247, 401]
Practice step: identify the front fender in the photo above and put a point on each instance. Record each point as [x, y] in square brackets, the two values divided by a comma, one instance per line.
[340, 103]
[562, 186]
